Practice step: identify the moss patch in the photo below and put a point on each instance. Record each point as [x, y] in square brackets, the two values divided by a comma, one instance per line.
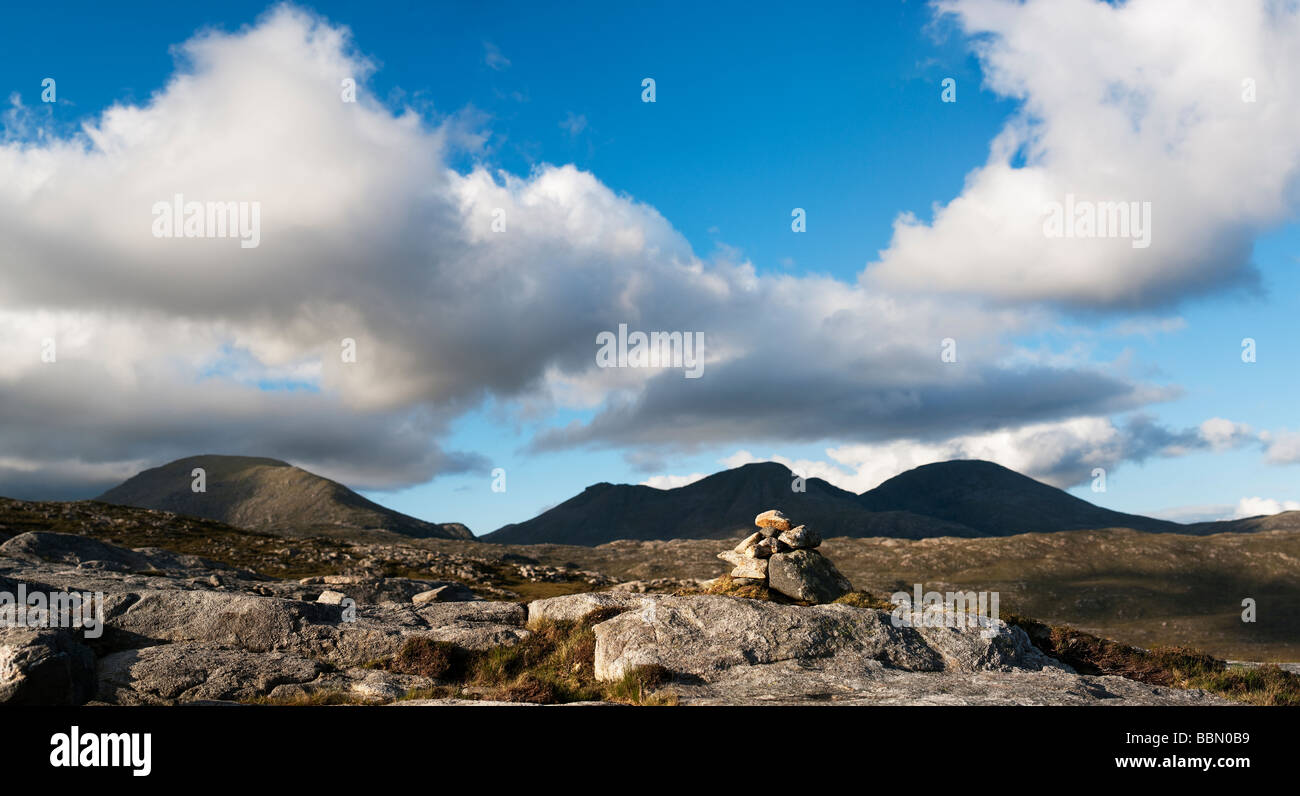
[727, 586]
[861, 599]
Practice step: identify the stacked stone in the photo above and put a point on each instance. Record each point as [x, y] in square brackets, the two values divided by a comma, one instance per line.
[784, 558]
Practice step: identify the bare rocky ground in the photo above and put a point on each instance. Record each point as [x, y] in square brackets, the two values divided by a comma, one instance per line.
[183, 629]
[197, 611]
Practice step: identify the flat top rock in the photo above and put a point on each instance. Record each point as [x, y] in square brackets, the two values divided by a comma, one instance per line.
[571, 607]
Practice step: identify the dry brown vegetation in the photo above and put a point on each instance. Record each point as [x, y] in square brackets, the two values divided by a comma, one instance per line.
[1173, 667]
[555, 664]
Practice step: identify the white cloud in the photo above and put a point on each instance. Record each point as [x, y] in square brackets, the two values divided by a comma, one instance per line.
[1223, 434]
[1281, 447]
[1254, 506]
[167, 346]
[1140, 101]
[672, 481]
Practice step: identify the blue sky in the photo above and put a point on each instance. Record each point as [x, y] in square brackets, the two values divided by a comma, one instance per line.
[831, 107]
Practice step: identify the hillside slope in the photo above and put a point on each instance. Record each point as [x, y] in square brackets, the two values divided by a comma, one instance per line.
[267, 494]
[997, 501]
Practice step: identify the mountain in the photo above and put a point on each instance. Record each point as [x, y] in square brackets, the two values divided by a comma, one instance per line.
[267, 494]
[717, 507]
[996, 501]
[963, 498]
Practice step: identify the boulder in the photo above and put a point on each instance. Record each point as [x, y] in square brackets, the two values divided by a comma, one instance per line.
[806, 575]
[702, 636]
[330, 597]
[706, 636]
[258, 624]
[572, 607]
[44, 667]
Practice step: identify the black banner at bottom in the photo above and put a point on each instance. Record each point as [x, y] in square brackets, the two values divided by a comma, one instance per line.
[334, 745]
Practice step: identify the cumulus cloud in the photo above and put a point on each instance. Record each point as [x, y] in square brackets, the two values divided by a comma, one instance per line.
[1143, 101]
[458, 287]
[1222, 434]
[1255, 506]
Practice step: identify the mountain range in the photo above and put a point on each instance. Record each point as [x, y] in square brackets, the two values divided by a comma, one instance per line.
[962, 498]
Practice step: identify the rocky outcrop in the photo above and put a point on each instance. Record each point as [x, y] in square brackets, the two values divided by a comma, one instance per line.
[169, 635]
[316, 630]
[198, 672]
[726, 650]
[783, 557]
[175, 635]
[44, 667]
[703, 636]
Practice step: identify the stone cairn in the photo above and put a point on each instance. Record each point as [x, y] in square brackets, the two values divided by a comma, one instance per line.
[784, 558]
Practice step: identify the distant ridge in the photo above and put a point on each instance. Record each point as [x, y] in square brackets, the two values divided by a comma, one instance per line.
[719, 506]
[267, 494]
[962, 498]
[997, 501]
